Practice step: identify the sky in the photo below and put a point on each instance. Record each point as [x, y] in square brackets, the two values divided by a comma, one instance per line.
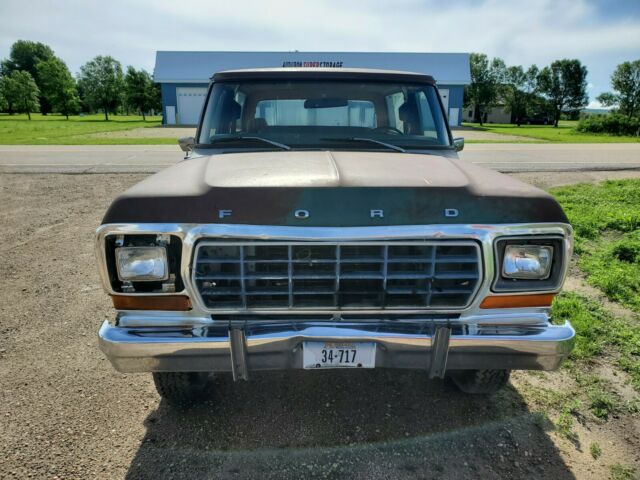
[601, 33]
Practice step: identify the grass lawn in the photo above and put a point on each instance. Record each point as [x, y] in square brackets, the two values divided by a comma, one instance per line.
[57, 130]
[82, 130]
[606, 219]
[565, 133]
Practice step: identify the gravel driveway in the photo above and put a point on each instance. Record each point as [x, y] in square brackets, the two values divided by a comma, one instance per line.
[471, 133]
[65, 413]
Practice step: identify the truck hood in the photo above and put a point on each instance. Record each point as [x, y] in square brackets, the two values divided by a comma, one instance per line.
[335, 188]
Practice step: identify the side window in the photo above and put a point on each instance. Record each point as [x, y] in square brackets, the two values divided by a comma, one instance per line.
[426, 116]
[362, 114]
[282, 112]
[240, 99]
[394, 102]
[415, 113]
[265, 110]
[225, 116]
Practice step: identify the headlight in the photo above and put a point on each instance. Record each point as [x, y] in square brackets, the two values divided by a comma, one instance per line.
[527, 261]
[142, 264]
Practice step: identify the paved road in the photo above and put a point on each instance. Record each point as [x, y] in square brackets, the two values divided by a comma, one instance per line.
[515, 157]
[151, 158]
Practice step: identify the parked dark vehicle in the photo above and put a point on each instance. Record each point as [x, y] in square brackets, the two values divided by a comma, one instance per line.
[538, 119]
[322, 219]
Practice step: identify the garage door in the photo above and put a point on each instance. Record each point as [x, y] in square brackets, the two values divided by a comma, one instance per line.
[190, 100]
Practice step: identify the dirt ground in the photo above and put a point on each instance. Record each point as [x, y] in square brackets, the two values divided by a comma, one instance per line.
[65, 413]
[152, 132]
[556, 179]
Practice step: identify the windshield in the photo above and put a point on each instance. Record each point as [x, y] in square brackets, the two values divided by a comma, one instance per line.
[324, 115]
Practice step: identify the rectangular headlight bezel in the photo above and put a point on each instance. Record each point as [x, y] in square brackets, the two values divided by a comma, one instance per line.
[173, 245]
[551, 283]
[159, 252]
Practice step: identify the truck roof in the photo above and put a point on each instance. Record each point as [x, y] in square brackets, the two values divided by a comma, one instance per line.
[322, 74]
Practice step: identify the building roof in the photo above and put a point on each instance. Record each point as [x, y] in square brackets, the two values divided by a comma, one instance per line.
[198, 67]
[322, 72]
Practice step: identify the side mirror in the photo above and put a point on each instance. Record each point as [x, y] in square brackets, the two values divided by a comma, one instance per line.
[186, 143]
[458, 144]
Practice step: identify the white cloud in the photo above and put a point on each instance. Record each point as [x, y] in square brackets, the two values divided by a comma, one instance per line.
[598, 105]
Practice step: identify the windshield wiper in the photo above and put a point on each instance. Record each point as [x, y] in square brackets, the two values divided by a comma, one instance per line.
[243, 137]
[370, 140]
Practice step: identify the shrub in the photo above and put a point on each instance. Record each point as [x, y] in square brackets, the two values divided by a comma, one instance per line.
[612, 124]
[627, 249]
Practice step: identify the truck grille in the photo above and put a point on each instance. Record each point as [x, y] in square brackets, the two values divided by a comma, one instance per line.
[337, 276]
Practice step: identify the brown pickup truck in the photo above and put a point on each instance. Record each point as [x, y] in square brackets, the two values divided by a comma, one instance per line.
[322, 219]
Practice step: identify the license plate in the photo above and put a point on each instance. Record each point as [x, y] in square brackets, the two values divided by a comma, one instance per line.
[339, 355]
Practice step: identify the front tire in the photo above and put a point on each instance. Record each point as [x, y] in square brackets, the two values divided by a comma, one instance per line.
[184, 388]
[480, 382]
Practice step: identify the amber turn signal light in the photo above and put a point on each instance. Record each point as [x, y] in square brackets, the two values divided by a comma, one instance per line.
[515, 301]
[152, 302]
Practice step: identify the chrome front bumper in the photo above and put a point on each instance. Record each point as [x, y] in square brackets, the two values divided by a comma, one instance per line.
[432, 345]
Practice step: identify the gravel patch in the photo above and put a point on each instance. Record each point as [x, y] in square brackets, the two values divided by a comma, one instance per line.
[150, 132]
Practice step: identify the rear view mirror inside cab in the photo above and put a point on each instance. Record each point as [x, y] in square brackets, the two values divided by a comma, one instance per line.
[325, 103]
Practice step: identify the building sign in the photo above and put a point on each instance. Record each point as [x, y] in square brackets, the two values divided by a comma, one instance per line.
[312, 64]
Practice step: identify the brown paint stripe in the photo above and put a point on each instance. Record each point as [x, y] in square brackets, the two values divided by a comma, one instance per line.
[159, 302]
[515, 301]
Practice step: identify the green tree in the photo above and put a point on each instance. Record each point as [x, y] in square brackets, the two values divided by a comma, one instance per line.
[564, 83]
[608, 99]
[58, 86]
[486, 82]
[85, 105]
[4, 105]
[102, 83]
[7, 89]
[141, 93]
[626, 84]
[21, 92]
[25, 56]
[519, 92]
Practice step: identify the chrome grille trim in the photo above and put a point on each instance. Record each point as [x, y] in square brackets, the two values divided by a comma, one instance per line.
[249, 275]
[192, 234]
